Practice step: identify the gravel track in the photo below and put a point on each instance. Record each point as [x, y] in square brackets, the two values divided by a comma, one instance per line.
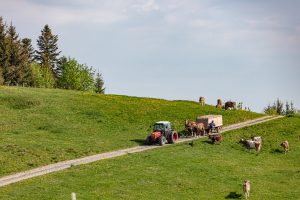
[69, 163]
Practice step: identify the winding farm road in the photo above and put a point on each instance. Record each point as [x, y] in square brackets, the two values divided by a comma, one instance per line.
[69, 163]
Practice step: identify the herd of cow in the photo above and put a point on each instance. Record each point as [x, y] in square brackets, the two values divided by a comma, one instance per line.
[254, 143]
[227, 106]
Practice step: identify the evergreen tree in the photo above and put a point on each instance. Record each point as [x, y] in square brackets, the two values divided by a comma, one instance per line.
[59, 67]
[13, 72]
[99, 83]
[279, 107]
[28, 50]
[3, 54]
[1, 78]
[47, 53]
[27, 59]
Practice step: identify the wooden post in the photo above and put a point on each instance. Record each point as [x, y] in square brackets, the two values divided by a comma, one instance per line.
[73, 196]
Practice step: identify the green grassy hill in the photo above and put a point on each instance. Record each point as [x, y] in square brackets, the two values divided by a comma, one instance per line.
[43, 126]
[205, 171]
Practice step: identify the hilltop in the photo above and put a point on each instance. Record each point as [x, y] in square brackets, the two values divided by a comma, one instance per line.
[43, 126]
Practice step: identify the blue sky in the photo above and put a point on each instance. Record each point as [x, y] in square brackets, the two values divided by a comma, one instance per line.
[247, 51]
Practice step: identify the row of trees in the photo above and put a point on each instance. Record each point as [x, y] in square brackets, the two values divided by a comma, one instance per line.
[279, 108]
[20, 64]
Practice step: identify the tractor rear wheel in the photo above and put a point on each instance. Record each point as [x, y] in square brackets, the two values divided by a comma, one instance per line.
[162, 140]
[173, 137]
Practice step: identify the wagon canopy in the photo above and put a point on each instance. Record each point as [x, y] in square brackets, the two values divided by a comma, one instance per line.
[206, 119]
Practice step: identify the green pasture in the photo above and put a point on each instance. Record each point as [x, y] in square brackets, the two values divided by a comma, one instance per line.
[205, 171]
[43, 126]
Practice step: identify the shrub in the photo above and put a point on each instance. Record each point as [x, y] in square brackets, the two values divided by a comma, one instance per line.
[42, 76]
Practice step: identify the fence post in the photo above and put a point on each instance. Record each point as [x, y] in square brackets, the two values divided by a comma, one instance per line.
[73, 196]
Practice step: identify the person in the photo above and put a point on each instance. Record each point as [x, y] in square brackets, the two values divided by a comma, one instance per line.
[212, 125]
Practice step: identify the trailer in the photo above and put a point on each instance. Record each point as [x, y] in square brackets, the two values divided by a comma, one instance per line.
[207, 119]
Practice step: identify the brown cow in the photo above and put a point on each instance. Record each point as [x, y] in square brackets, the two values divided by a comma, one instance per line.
[230, 105]
[219, 103]
[193, 128]
[199, 129]
[215, 138]
[285, 145]
[188, 127]
[246, 188]
[202, 101]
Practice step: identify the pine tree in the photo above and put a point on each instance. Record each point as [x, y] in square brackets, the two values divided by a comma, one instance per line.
[3, 56]
[47, 53]
[28, 50]
[279, 107]
[99, 83]
[13, 72]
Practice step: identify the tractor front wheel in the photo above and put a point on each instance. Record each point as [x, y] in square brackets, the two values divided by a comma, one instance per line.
[149, 140]
[162, 140]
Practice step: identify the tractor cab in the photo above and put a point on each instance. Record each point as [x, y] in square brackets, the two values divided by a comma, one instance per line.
[162, 126]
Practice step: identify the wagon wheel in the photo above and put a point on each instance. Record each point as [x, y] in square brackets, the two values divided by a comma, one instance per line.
[173, 137]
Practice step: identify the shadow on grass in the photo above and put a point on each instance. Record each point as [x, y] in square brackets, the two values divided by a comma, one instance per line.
[276, 151]
[183, 133]
[207, 141]
[233, 195]
[139, 141]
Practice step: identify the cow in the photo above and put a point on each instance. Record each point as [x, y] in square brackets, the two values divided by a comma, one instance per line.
[202, 101]
[219, 103]
[215, 138]
[193, 128]
[285, 145]
[230, 105]
[246, 188]
[257, 142]
[252, 144]
[188, 127]
[199, 129]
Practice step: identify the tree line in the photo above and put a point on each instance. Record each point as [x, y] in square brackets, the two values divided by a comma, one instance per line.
[279, 108]
[21, 64]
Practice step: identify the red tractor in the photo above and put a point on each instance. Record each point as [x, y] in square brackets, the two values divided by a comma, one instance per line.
[162, 134]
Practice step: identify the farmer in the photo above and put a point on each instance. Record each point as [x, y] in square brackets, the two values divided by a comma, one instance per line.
[212, 126]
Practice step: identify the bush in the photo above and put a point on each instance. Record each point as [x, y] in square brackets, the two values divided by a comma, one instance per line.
[41, 76]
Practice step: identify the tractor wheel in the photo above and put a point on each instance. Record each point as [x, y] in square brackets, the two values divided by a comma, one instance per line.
[162, 140]
[173, 137]
[149, 140]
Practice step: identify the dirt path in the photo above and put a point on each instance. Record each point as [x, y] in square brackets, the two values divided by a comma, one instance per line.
[69, 163]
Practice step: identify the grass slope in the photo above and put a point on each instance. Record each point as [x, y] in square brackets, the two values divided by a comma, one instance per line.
[179, 171]
[43, 126]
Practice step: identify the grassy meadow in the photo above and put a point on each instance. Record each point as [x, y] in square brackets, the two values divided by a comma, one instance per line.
[43, 126]
[205, 171]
